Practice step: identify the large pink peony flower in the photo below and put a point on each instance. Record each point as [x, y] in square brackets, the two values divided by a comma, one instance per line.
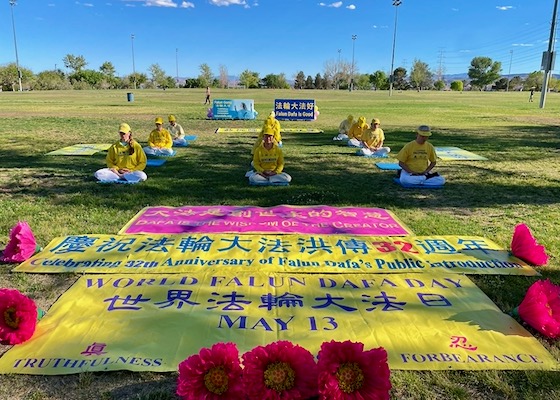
[280, 370]
[346, 371]
[541, 308]
[212, 374]
[18, 317]
[22, 244]
[525, 246]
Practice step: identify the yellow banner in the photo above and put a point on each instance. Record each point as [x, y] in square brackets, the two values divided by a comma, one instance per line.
[274, 253]
[153, 322]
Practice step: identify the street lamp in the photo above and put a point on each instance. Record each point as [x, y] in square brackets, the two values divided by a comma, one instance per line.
[509, 71]
[133, 66]
[177, 64]
[12, 4]
[336, 75]
[396, 3]
[354, 37]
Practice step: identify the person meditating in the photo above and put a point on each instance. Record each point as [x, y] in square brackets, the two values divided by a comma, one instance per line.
[268, 162]
[372, 141]
[159, 142]
[417, 160]
[272, 123]
[344, 128]
[356, 131]
[125, 159]
[176, 131]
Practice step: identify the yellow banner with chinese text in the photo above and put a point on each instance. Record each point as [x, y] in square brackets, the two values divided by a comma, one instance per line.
[274, 253]
[436, 322]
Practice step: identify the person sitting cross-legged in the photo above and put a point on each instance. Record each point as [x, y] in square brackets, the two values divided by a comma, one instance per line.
[176, 131]
[417, 160]
[344, 128]
[372, 141]
[268, 162]
[125, 159]
[159, 141]
[356, 131]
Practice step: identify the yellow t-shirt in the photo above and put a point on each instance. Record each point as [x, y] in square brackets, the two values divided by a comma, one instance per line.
[160, 139]
[356, 131]
[268, 160]
[417, 156]
[373, 137]
[118, 157]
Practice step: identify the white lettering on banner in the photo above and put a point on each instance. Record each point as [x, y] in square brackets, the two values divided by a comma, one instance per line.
[470, 358]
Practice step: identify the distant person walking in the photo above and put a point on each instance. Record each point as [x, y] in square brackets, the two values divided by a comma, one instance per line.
[531, 94]
[207, 101]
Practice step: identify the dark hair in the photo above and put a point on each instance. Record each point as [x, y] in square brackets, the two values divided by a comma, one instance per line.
[130, 145]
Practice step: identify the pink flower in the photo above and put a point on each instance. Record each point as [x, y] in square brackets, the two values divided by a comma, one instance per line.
[541, 308]
[280, 370]
[22, 244]
[18, 317]
[346, 371]
[212, 374]
[525, 246]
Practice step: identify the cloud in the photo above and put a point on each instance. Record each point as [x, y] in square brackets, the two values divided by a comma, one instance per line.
[187, 4]
[160, 3]
[226, 3]
[454, 9]
[351, 7]
[523, 44]
[333, 5]
[504, 8]
[87, 5]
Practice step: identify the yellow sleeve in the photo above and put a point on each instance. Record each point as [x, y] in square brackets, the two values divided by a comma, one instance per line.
[167, 140]
[280, 162]
[140, 157]
[112, 157]
[257, 161]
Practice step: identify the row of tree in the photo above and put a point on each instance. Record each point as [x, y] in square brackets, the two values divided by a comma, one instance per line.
[483, 73]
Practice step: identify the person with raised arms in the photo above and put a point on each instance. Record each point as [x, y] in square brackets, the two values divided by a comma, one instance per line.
[159, 142]
[417, 160]
[125, 159]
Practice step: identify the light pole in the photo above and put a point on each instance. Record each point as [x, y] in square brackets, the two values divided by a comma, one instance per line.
[354, 37]
[12, 4]
[548, 56]
[336, 76]
[177, 64]
[509, 70]
[396, 3]
[133, 66]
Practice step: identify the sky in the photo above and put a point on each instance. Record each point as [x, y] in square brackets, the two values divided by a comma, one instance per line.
[275, 36]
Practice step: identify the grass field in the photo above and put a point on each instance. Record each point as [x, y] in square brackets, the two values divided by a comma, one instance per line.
[58, 196]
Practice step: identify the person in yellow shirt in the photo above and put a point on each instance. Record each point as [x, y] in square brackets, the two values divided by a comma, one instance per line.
[159, 142]
[272, 123]
[176, 131]
[125, 159]
[372, 141]
[344, 128]
[417, 160]
[356, 131]
[268, 162]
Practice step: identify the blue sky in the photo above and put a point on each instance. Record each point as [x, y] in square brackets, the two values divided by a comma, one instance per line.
[275, 36]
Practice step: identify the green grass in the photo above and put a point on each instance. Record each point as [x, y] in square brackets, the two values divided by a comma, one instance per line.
[58, 196]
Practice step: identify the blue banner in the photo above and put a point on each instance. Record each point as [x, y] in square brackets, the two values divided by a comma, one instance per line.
[233, 109]
[294, 109]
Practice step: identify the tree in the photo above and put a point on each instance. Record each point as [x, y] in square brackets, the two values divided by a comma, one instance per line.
[309, 82]
[362, 82]
[515, 83]
[439, 85]
[502, 83]
[87, 79]
[379, 80]
[399, 79]
[224, 79]
[457, 86]
[483, 71]
[107, 69]
[420, 75]
[318, 81]
[250, 79]
[75, 63]
[158, 75]
[299, 82]
[51, 80]
[273, 81]
[9, 76]
[206, 77]
[534, 79]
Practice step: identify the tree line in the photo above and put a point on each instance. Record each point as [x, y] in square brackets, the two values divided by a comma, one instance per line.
[483, 73]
